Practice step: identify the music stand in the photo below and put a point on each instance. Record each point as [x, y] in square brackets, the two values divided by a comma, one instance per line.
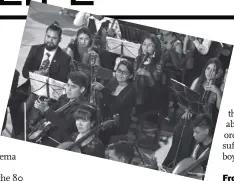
[46, 86]
[186, 98]
[122, 47]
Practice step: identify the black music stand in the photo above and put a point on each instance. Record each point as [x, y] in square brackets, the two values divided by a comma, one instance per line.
[188, 99]
[46, 83]
[121, 47]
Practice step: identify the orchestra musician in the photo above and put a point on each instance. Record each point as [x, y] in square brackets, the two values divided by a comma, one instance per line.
[172, 54]
[195, 164]
[118, 97]
[47, 59]
[64, 122]
[80, 49]
[173, 62]
[208, 86]
[203, 130]
[86, 119]
[200, 50]
[148, 70]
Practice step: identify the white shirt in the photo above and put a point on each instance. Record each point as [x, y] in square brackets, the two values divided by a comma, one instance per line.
[52, 53]
[203, 47]
[82, 19]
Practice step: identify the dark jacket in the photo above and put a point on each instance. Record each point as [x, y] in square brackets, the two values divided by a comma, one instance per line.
[59, 68]
[64, 121]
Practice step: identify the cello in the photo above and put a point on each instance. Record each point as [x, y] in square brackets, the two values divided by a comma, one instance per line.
[191, 167]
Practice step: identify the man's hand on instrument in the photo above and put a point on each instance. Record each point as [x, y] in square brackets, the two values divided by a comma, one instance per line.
[143, 72]
[187, 115]
[97, 86]
[42, 106]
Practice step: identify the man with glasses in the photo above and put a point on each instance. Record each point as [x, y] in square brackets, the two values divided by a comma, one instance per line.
[63, 121]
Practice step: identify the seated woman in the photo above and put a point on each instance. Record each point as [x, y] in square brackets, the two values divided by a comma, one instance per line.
[81, 48]
[118, 97]
[207, 85]
[86, 117]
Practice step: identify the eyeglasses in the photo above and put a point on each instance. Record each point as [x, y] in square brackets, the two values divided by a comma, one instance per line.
[119, 71]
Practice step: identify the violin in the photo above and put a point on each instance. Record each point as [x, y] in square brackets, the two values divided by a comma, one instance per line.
[209, 97]
[75, 146]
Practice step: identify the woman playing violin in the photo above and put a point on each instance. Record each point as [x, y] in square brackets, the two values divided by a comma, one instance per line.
[86, 117]
[207, 85]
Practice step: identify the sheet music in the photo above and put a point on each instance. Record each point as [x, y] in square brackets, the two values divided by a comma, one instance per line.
[38, 86]
[130, 49]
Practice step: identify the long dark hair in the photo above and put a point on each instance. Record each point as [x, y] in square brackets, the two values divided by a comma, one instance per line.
[157, 44]
[85, 31]
[218, 65]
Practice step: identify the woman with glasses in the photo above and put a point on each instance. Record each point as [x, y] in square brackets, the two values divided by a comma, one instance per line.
[118, 97]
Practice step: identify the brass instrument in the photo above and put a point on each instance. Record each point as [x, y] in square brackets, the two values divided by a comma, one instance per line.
[39, 130]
